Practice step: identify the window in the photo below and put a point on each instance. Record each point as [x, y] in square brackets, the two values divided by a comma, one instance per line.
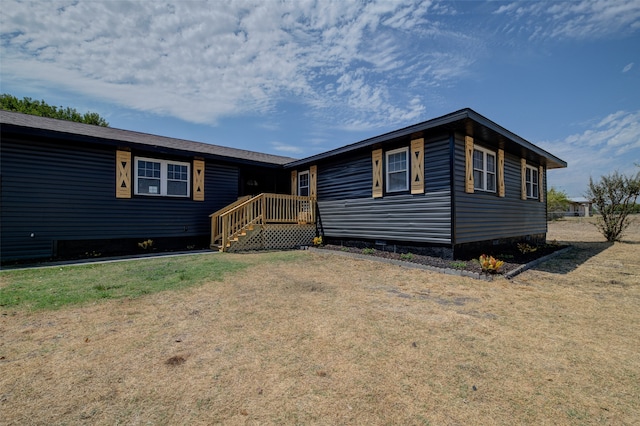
[161, 177]
[531, 182]
[397, 170]
[303, 184]
[484, 169]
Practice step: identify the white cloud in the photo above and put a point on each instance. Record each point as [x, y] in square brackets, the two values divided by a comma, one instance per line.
[584, 19]
[612, 143]
[288, 149]
[201, 61]
[627, 67]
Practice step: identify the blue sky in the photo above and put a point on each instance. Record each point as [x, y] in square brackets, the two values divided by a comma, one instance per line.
[300, 77]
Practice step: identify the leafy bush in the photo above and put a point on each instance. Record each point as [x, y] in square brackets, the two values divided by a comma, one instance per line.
[42, 109]
[614, 197]
[368, 251]
[557, 202]
[490, 264]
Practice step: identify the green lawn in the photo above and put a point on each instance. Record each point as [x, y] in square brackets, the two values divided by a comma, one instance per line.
[55, 287]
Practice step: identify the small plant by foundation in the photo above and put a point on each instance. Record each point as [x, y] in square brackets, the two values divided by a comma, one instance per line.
[317, 241]
[146, 245]
[490, 264]
[525, 248]
[458, 265]
[406, 256]
[368, 251]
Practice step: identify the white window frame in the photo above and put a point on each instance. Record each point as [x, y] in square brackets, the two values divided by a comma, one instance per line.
[405, 171]
[163, 177]
[532, 181]
[300, 186]
[486, 174]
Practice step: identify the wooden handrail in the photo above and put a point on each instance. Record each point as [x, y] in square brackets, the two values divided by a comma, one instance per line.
[240, 218]
[239, 201]
[216, 227]
[261, 209]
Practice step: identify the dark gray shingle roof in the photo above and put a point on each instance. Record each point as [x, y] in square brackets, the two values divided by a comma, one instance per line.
[127, 136]
[461, 119]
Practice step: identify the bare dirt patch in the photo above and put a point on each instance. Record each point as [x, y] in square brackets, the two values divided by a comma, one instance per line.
[332, 340]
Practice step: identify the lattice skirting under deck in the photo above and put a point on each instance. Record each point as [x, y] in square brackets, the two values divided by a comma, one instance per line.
[271, 237]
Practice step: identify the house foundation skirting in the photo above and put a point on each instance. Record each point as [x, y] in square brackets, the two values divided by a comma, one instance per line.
[275, 237]
[442, 250]
[496, 246]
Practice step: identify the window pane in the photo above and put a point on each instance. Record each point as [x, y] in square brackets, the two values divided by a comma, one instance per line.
[478, 181]
[397, 162]
[176, 188]
[177, 180]
[148, 169]
[491, 182]
[148, 186]
[303, 184]
[484, 170]
[491, 163]
[478, 160]
[397, 181]
[397, 173]
[176, 172]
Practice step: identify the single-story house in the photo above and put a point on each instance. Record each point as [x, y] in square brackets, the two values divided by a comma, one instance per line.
[447, 185]
[70, 189]
[579, 207]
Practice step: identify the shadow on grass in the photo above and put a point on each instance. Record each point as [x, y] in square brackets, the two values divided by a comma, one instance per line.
[572, 259]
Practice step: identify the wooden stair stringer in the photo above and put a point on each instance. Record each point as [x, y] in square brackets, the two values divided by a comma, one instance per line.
[249, 239]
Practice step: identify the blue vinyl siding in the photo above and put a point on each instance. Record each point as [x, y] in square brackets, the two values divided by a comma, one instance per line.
[67, 192]
[437, 166]
[348, 210]
[424, 219]
[346, 178]
[484, 216]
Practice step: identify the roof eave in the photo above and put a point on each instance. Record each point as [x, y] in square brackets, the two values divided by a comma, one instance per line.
[446, 119]
[27, 124]
[552, 162]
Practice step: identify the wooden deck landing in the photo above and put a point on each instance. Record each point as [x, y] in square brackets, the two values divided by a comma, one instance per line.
[266, 221]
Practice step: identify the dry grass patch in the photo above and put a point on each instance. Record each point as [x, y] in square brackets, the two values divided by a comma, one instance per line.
[330, 340]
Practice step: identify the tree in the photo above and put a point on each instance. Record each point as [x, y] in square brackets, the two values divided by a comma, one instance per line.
[614, 196]
[557, 202]
[42, 109]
